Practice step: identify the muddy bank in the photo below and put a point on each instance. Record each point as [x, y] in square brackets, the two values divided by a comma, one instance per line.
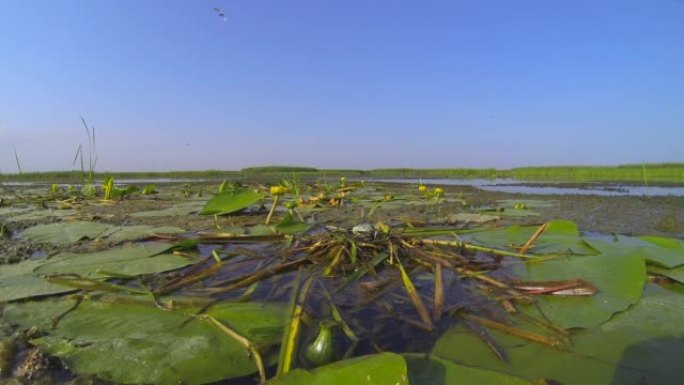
[628, 215]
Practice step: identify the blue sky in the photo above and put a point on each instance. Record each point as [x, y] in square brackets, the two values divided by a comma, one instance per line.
[170, 85]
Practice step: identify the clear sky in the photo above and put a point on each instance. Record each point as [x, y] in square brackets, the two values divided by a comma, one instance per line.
[171, 85]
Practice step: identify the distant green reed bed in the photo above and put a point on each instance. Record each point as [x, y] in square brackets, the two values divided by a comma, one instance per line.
[633, 173]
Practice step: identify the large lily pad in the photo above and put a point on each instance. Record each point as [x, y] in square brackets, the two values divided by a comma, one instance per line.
[131, 233]
[435, 371]
[619, 278]
[65, 233]
[24, 279]
[663, 252]
[137, 343]
[15, 210]
[176, 210]
[231, 201]
[18, 281]
[640, 346]
[32, 215]
[560, 237]
[377, 369]
[129, 260]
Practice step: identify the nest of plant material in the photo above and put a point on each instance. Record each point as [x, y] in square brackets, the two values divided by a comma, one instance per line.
[375, 284]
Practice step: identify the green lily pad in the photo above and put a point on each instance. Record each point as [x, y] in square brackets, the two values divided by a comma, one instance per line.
[176, 210]
[477, 218]
[377, 369]
[560, 237]
[231, 201]
[620, 280]
[128, 260]
[670, 251]
[24, 279]
[131, 233]
[676, 274]
[640, 346]
[436, 371]
[15, 210]
[289, 225]
[65, 233]
[33, 215]
[128, 342]
[663, 252]
[18, 281]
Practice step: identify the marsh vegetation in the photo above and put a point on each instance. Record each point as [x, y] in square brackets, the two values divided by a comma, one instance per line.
[302, 281]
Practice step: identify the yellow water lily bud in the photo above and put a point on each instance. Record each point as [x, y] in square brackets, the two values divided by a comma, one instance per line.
[422, 188]
[438, 192]
[277, 190]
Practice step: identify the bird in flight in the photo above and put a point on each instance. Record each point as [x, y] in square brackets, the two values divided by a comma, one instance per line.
[222, 14]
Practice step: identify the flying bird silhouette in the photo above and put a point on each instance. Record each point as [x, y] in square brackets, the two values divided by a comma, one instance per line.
[222, 14]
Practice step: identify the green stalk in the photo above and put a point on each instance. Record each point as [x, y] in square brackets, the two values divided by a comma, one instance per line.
[288, 349]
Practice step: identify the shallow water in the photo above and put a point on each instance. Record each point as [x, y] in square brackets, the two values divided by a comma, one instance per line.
[547, 188]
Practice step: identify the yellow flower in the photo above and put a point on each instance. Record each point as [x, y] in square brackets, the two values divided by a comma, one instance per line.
[438, 192]
[277, 190]
[422, 188]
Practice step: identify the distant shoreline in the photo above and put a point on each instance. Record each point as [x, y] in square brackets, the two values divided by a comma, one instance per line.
[661, 173]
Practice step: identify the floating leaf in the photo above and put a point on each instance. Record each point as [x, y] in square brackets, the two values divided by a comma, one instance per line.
[471, 218]
[131, 233]
[641, 346]
[14, 210]
[33, 215]
[559, 238]
[663, 252]
[176, 210]
[231, 201]
[24, 279]
[129, 260]
[435, 371]
[18, 281]
[65, 233]
[288, 225]
[619, 279]
[128, 342]
[377, 369]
